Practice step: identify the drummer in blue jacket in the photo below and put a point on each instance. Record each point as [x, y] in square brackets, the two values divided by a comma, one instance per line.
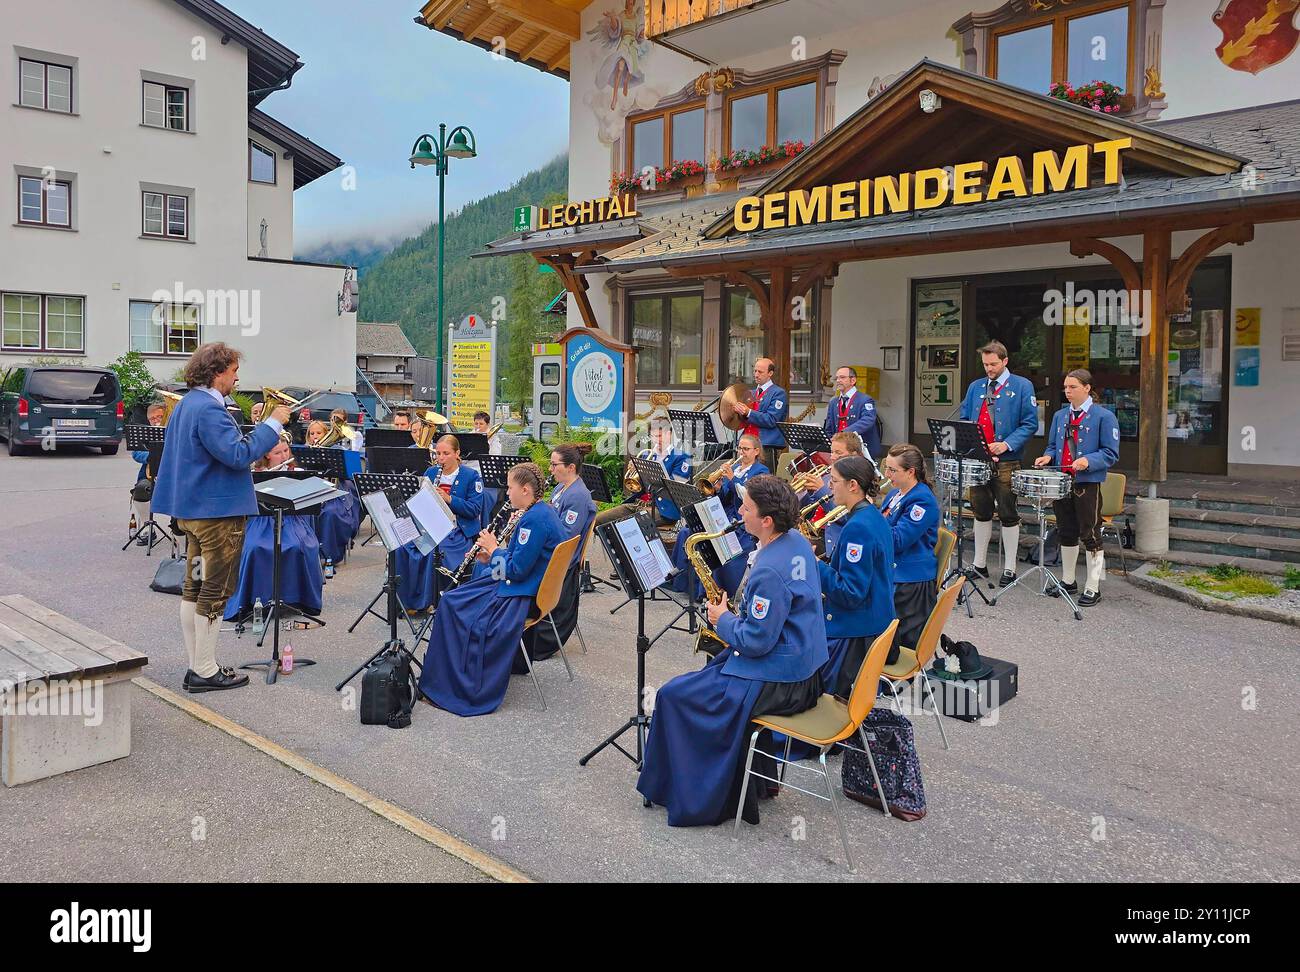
[858, 581]
[700, 729]
[1084, 442]
[1003, 405]
[914, 515]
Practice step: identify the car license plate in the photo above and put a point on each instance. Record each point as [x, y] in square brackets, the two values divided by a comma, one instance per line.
[72, 423]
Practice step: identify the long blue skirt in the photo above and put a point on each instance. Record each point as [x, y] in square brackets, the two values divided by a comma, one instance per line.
[301, 577]
[698, 735]
[335, 528]
[416, 572]
[474, 639]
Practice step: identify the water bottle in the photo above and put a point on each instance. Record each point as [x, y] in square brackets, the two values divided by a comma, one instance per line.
[286, 660]
[259, 619]
[329, 568]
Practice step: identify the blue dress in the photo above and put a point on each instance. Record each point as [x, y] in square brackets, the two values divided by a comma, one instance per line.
[478, 625]
[700, 728]
[417, 572]
[337, 523]
[301, 577]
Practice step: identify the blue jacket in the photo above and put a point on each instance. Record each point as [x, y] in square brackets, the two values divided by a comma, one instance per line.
[858, 583]
[914, 520]
[775, 407]
[862, 419]
[466, 499]
[776, 632]
[204, 472]
[576, 509]
[1015, 412]
[142, 457]
[677, 465]
[727, 488]
[820, 495]
[521, 563]
[1098, 441]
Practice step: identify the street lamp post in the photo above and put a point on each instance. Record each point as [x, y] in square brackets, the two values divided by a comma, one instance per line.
[427, 152]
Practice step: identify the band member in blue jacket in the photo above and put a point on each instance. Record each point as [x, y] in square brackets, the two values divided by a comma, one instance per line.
[1084, 442]
[337, 522]
[700, 726]
[843, 445]
[858, 581]
[1004, 406]
[734, 478]
[676, 464]
[462, 488]
[576, 509]
[154, 415]
[478, 624]
[205, 483]
[853, 411]
[769, 405]
[914, 516]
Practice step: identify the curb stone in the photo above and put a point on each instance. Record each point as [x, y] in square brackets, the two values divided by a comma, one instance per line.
[1141, 577]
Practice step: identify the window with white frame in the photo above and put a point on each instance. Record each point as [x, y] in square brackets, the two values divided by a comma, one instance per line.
[166, 106]
[43, 322]
[165, 215]
[261, 163]
[43, 202]
[44, 85]
[164, 328]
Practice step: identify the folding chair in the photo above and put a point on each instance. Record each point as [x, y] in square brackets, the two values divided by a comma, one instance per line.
[1112, 505]
[582, 559]
[943, 549]
[912, 661]
[548, 595]
[830, 722]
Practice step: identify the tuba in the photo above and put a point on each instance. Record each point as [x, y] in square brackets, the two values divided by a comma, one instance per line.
[631, 480]
[708, 640]
[170, 400]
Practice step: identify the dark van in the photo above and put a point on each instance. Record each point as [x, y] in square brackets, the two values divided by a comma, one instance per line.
[78, 406]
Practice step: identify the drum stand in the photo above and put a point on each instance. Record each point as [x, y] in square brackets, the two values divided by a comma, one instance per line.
[1050, 581]
[971, 579]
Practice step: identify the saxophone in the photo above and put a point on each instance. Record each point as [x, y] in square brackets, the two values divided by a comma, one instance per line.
[708, 640]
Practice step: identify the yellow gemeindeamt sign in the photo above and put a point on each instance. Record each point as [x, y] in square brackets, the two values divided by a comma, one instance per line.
[969, 182]
[588, 211]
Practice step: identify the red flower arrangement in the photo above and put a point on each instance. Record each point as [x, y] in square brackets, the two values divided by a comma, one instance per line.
[621, 182]
[748, 158]
[1100, 96]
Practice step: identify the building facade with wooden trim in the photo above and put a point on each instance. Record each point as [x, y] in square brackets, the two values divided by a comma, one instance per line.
[781, 99]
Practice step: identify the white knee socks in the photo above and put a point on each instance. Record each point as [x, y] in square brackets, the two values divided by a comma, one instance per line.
[188, 609]
[1010, 547]
[983, 533]
[1069, 563]
[205, 646]
[1096, 571]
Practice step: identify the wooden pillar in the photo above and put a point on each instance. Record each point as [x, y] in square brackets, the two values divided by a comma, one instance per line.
[1153, 448]
[778, 327]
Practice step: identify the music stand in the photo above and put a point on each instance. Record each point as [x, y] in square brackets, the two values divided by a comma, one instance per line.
[806, 438]
[496, 469]
[385, 459]
[696, 428]
[473, 445]
[594, 479]
[637, 581]
[277, 502]
[149, 438]
[954, 439]
[387, 438]
[403, 486]
[717, 450]
[329, 463]
[394, 487]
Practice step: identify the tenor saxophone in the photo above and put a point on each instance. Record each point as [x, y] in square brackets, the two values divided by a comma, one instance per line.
[708, 640]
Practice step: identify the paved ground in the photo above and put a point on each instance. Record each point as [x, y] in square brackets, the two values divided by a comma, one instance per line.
[1131, 722]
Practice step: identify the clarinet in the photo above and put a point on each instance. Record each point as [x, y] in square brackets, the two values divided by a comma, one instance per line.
[458, 575]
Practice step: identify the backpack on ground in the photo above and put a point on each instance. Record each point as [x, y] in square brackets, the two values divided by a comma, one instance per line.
[890, 737]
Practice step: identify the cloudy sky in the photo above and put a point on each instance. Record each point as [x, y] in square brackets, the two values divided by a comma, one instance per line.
[374, 80]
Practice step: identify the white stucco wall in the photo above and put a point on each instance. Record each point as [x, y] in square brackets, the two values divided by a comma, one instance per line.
[300, 339]
[273, 203]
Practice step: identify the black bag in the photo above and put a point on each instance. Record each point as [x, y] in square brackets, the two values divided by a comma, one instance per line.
[170, 576]
[890, 737]
[1051, 550]
[142, 491]
[388, 691]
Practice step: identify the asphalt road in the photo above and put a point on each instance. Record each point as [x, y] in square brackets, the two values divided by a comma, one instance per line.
[1129, 755]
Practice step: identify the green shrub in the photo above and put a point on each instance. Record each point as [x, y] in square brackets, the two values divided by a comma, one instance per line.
[136, 379]
[245, 403]
[610, 461]
[1225, 572]
[1291, 580]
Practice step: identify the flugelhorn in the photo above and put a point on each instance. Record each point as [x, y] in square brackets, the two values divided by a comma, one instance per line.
[709, 482]
[272, 397]
[338, 429]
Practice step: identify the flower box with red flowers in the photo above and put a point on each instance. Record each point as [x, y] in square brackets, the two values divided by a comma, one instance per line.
[737, 161]
[1098, 96]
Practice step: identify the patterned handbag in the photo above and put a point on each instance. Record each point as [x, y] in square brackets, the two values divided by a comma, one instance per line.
[892, 745]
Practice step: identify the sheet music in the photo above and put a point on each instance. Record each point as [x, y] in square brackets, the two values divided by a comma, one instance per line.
[714, 518]
[393, 531]
[431, 513]
[652, 565]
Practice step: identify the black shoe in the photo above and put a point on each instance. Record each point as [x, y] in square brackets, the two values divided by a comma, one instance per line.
[1007, 577]
[225, 678]
[1071, 588]
[142, 541]
[1089, 598]
[981, 571]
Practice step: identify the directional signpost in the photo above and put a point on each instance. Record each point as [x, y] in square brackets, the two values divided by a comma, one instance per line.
[473, 370]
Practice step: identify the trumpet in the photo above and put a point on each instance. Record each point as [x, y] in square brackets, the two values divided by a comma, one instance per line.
[810, 479]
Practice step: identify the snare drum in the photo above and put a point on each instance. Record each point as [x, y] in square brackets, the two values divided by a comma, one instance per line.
[1047, 484]
[973, 472]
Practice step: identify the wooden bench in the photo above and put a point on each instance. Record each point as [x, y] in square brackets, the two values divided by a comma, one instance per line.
[65, 694]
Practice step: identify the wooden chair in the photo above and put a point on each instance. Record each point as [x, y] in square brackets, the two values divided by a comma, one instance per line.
[582, 559]
[1112, 505]
[548, 595]
[830, 722]
[943, 549]
[912, 661]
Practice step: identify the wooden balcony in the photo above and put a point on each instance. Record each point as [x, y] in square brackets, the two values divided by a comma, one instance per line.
[662, 16]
